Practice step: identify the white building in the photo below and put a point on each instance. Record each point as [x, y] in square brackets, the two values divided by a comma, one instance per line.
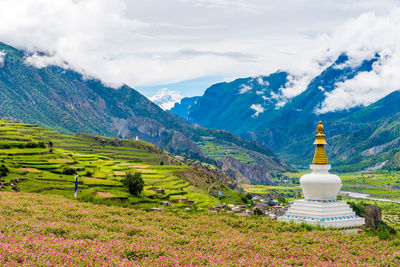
[320, 188]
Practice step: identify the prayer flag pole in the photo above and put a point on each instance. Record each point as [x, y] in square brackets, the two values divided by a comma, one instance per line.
[76, 186]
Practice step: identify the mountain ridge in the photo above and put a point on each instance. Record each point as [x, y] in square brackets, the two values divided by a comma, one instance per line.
[251, 109]
[67, 101]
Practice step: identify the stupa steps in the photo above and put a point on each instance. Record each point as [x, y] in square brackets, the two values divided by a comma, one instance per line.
[335, 213]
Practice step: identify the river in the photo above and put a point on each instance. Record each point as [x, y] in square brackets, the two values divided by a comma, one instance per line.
[366, 196]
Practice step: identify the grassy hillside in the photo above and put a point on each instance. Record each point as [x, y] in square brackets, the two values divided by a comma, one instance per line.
[38, 229]
[101, 163]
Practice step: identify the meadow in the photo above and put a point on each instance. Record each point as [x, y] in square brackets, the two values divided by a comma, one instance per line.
[38, 229]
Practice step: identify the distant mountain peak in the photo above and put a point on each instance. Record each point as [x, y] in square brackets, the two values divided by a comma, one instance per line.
[166, 99]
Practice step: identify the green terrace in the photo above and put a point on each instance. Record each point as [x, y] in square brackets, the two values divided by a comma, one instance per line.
[43, 161]
[219, 149]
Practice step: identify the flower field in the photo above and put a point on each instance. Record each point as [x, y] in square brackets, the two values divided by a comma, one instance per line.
[38, 229]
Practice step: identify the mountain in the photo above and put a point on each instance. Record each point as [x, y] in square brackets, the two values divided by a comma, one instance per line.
[165, 98]
[69, 102]
[256, 109]
[182, 108]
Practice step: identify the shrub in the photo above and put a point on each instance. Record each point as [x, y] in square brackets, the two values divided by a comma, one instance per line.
[258, 212]
[31, 145]
[4, 170]
[50, 146]
[384, 231]
[134, 182]
[359, 208]
[69, 171]
[41, 145]
[88, 174]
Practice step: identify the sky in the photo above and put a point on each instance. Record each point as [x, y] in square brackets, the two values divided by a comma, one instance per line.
[184, 46]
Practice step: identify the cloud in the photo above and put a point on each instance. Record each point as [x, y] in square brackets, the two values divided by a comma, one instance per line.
[366, 88]
[244, 88]
[41, 61]
[238, 5]
[257, 108]
[152, 42]
[166, 99]
[2, 55]
[375, 34]
[190, 53]
[261, 82]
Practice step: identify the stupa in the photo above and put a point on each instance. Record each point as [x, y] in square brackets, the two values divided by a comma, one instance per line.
[320, 188]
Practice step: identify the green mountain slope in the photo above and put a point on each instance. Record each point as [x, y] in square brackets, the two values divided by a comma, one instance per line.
[102, 163]
[359, 138]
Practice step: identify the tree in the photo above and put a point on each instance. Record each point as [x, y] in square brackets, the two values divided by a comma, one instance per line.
[4, 170]
[134, 182]
[50, 146]
[258, 212]
[69, 171]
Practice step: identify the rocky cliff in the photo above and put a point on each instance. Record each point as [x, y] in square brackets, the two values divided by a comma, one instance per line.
[246, 173]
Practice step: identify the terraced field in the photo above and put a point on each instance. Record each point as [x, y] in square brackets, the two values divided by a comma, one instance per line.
[219, 150]
[38, 160]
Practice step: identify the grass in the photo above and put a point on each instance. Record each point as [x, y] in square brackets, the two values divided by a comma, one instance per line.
[41, 230]
[101, 164]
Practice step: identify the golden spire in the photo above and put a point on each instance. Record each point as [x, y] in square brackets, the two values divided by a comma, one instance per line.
[320, 157]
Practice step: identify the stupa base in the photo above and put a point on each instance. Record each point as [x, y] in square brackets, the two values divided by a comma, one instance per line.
[326, 213]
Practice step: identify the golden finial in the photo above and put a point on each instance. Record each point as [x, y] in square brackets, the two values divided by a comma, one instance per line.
[320, 157]
[320, 128]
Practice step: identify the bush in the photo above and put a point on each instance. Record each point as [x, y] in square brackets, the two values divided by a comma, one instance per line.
[258, 212]
[31, 145]
[359, 208]
[134, 182]
[384, 231]
[69, 171]
[4, 170]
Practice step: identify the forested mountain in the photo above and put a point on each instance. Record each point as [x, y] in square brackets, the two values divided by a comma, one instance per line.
[256, 109]
[67, 101]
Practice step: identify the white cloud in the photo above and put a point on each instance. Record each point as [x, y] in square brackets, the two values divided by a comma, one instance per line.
[366, 88]
[2, 55]
[237, 5]
[166, 99]
[244, 88]
[361, 39]
[257, 108]
[41, 61]
[152, 42]
[262, 82]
